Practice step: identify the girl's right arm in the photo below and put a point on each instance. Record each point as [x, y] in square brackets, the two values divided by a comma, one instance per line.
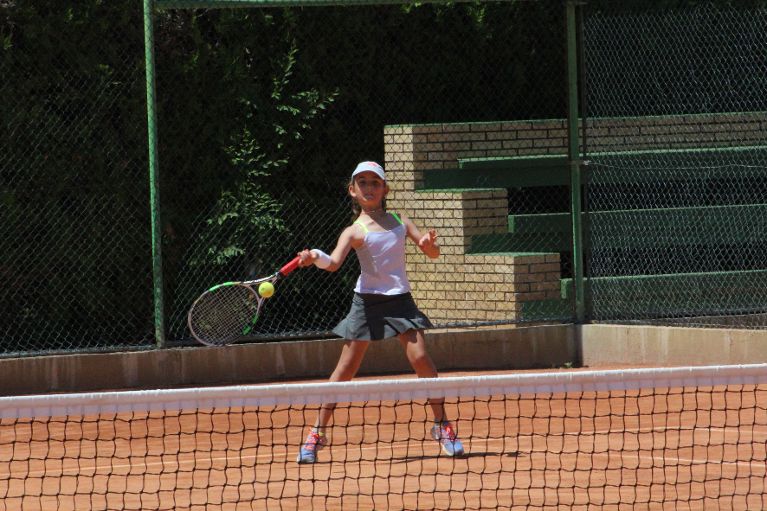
[349, 239]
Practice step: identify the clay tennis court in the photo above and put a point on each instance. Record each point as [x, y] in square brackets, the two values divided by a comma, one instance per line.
[672, 448]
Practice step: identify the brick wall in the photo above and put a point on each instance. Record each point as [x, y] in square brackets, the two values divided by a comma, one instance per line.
[677, 132]
[461, 287]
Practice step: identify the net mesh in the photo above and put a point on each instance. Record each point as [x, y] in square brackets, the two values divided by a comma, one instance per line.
[672, 438]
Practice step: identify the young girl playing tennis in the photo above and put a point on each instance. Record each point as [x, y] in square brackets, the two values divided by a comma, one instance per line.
[382, 306]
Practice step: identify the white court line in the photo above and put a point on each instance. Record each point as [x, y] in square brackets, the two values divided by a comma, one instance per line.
[404, 446]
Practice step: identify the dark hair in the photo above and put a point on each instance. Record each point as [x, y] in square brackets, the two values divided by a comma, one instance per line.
[356, 209]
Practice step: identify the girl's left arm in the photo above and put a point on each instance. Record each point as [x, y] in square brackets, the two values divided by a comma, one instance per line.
[426, 242]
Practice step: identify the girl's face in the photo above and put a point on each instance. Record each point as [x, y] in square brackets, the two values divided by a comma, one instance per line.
[368, 190]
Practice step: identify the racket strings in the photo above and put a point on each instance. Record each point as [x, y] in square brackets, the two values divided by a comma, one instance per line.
[224, 315]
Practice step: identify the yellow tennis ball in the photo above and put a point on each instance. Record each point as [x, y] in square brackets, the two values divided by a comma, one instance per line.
[266, 289]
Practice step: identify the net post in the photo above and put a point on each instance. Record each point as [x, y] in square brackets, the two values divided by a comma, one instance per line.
[154, 176]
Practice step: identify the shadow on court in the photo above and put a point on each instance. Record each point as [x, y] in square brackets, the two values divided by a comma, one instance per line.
[473, 454]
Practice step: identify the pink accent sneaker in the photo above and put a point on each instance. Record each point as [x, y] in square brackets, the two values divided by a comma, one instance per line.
[445, 434]
[314, 442]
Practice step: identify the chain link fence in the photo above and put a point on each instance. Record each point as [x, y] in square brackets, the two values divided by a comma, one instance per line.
[75, 252]
[677, 172]
[264, 111]
[300, 115]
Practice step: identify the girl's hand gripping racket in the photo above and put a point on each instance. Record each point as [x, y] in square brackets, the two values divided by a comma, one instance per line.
[228, 312]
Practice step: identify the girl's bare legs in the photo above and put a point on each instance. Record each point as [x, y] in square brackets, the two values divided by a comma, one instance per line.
[351, 358]
[348, 364]
[414, 345]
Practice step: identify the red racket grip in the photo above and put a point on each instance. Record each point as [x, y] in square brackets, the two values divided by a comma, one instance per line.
[288, 268]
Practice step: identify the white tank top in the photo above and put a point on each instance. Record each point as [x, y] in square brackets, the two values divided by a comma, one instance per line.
[382, 261]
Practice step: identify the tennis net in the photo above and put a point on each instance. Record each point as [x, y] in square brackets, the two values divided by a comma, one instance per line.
[668, 438]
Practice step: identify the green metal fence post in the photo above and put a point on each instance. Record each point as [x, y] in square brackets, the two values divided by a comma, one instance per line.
[154, 176]
[573, 155]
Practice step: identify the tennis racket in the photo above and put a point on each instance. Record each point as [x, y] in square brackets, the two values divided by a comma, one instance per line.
[228, 312]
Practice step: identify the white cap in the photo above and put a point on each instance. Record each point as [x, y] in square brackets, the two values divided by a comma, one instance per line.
[370, 166]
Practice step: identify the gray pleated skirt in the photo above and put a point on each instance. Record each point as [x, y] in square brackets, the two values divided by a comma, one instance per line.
[374, 317]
